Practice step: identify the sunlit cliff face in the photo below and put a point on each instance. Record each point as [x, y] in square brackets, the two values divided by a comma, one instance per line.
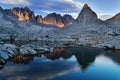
[52, 18]
[18, 13]
[53, 21]
[23, 13]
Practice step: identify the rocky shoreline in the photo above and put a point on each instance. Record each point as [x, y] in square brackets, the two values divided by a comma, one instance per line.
[9, 50]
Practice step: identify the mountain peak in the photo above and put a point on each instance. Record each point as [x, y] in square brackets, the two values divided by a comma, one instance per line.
[87, 15]
[55, 19]
[85, 6]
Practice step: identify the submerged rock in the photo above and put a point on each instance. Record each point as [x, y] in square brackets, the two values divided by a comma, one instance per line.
[1, 42]
[117, 47]
[2, 62]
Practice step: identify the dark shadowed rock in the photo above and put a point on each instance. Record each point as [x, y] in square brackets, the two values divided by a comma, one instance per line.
[67, 19]
[39, 19]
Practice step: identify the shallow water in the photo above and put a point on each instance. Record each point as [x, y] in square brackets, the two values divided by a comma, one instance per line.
[64, 64]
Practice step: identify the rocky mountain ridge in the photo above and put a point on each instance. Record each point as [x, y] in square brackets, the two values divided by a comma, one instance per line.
[86, 30]
[52, 18]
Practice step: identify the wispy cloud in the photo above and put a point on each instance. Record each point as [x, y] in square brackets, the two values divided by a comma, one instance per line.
[16, 2]
[105, 16]
[72, 7]
[46, 12]
[58, 5]
[44, 7]
[38, 72]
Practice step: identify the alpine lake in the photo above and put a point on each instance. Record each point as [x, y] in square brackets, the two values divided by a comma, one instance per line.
[63, 63]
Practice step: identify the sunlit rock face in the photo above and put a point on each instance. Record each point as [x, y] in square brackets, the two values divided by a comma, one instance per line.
[23, 13]
[53, 18]
[39, 19]
[87, 15]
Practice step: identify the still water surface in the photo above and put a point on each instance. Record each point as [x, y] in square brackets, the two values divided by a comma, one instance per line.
[64, 64]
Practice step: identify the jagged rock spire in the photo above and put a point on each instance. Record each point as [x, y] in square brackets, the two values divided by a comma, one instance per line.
[86, 15]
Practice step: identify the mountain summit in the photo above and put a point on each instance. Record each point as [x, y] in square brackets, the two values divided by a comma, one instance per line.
[86, 15]
[86, 6]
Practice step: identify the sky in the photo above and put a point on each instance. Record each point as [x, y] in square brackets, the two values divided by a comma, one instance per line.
[104, 8]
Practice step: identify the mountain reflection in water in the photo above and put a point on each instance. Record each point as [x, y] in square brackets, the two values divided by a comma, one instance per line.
[52, 65]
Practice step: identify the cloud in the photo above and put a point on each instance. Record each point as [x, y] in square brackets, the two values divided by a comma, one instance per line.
[58, 5]
[45, 7]
[15, 2]
[105, 16]
[46, 12]
[44, 70]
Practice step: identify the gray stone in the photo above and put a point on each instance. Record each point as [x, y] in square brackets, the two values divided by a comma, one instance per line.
[4, 55]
